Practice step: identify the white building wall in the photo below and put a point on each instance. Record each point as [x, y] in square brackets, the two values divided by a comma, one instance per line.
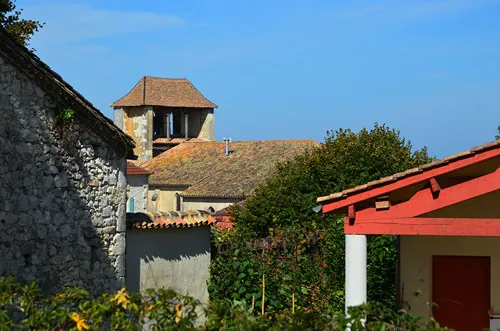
[205, 203]
[416, 266]
[172, 258]
[138, 190]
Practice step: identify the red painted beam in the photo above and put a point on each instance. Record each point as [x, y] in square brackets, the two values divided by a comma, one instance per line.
[488, 227]
[424, 202]
[414, 179]
[351, 212]
[435, 187]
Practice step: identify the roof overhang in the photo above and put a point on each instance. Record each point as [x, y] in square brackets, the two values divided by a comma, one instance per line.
[427, 201]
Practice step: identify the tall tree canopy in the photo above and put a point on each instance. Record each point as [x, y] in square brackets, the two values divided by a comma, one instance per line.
[346, 159]
[19, 28]
[305, 250]
[498, 136]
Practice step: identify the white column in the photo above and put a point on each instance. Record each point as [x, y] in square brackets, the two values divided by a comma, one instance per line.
[355, 270]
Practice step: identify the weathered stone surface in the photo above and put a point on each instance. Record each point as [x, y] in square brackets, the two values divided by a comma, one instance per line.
[62, 194]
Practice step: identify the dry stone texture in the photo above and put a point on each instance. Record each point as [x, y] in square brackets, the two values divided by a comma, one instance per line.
[62, 194]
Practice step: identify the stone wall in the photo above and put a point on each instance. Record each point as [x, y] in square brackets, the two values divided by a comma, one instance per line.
[62, 194]
[138, 190]
[138, 123]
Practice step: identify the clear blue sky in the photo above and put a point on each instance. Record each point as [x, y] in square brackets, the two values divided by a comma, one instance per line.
[293, 69]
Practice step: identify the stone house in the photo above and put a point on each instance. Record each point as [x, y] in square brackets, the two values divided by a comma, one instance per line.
[173, 124]
[62, 182]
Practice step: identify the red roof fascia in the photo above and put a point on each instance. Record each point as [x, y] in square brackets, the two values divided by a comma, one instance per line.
[425, 226]
[425, 175]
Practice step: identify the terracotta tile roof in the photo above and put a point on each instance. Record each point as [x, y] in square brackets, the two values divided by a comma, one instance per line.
[223, 222]
[133, 169]
[410, 172]
[205, 167]
[53, 84]
[165, 220]
[176, 141]
[167, 92]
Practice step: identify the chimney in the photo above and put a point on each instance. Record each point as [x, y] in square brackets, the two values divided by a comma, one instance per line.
[227, 141]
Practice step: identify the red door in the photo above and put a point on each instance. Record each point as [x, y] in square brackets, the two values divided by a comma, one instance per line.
[461, 290]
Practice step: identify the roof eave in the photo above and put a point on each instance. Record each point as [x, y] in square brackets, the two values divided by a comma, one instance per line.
[447, 164]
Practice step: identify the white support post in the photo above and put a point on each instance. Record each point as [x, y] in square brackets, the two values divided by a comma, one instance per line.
[355, 270]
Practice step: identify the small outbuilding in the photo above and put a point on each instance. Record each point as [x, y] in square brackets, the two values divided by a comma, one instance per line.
[447, 217]
[169, 250]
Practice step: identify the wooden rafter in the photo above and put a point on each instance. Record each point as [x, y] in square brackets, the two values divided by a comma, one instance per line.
[424, 201]
[414, 179]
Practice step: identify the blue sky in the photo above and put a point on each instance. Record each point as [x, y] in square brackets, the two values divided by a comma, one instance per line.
[293, 69]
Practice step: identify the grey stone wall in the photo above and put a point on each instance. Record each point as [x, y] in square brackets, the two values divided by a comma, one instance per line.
[138, 190]
[62, 194]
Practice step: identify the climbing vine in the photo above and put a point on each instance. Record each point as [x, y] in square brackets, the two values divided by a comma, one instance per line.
[65, 117]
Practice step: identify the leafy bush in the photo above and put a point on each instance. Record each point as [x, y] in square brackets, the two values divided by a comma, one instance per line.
[22, 307]
[305, 251]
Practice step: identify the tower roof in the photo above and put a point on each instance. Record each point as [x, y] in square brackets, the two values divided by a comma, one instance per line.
[166, 92]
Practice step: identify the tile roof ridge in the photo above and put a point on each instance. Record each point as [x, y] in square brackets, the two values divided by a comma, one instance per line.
[274, 140]
[167, 78]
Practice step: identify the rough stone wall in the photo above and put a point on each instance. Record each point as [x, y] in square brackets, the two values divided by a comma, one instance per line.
[138, 190]
[62, 194]
[138, 124]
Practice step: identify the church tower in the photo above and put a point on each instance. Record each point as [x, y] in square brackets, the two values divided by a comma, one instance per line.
[159, 113]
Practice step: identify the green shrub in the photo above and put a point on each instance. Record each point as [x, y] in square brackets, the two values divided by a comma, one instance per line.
[22, 307]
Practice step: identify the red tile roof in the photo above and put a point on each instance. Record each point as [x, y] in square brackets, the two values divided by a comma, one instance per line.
[410, 172]
[166, 92]
[208, 172]
[173, 219]
[133, 169]
[176, 141]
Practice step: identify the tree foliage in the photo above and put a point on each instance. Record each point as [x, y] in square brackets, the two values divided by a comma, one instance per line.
[345, 160]
[305, 250]
[21, 29]
[498, 135]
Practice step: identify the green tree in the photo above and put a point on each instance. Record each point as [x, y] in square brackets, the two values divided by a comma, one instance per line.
[21, 29]
[345, 160]
[284, 207]
[498, 135]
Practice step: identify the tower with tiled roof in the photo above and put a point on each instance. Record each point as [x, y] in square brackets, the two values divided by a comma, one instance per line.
[162, 112]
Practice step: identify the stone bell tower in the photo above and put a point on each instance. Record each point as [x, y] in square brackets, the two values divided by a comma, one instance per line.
[159, 113]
